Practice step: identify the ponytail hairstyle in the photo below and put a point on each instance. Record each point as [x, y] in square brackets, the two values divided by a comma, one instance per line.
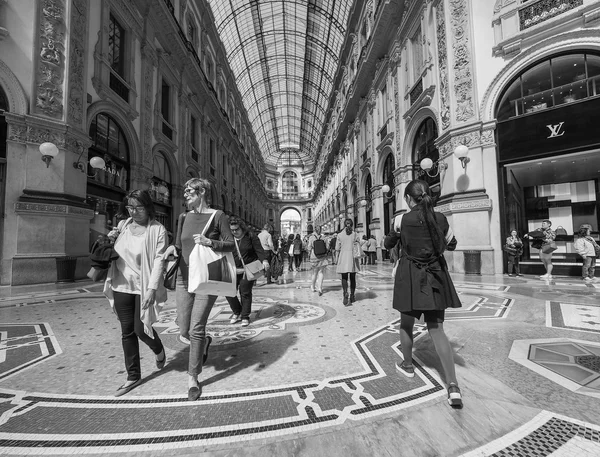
[420, 193]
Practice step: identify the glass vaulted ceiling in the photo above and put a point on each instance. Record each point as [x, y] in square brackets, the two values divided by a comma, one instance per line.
[284, 55]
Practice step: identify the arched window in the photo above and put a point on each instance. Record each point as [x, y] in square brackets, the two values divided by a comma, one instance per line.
[424, 147]
[289, 183]
[109, 143]
[369, 208]
[555, 81]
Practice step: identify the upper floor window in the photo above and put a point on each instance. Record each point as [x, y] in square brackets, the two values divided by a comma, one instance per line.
[165, 109]
[561, 79]
[116, 58]
[192, 32]
[194, 137]
[211, 156]
[417, 52]
[289, 182]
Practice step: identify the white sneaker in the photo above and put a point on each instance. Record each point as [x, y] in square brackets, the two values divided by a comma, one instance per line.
[546, 276]
[184, 340]
[588, 279]
[235, 318]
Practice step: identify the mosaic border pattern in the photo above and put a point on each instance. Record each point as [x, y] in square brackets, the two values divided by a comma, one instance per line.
[555, 317]
[375, 390]
[545, 434]
[43, 338]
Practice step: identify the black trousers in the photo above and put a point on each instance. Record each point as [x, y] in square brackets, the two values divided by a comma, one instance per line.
[127, 307]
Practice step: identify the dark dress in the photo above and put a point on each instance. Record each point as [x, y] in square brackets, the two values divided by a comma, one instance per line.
[422, 280]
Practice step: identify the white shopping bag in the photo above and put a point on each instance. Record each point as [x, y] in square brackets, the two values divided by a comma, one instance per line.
[211, 273]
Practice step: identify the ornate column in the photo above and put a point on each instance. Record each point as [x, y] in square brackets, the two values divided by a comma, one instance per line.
[149, 63]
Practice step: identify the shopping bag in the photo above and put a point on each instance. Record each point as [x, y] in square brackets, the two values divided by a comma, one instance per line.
[549, 248]
[211, 272]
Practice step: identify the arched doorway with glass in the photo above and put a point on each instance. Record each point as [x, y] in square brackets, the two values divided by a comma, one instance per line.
[389, 199]
[161, 190]
[369, 207]
[107, 187]
[552, 171]
[424, 147]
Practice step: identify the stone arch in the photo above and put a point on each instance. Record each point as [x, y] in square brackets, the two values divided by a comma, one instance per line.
[17, 99]
[381, 164]
[412, 129]
[285, 208]
[191, 170]
[176, 178]
[135, 149]
[363, 181]
[570, 41]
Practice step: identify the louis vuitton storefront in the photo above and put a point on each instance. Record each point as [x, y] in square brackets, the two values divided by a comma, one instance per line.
[548, 137]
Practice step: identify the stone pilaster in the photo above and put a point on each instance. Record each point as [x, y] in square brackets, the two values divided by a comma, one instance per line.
[77, 64]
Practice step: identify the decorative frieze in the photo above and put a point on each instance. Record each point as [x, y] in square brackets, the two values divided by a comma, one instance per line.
[42, 209]
[50, 63]
[77, 45]
[543, 10]
[463, 74]
[465, 206]
[443, 66]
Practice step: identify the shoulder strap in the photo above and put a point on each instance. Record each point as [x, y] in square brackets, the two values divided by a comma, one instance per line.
[209, 222]
[238, 250]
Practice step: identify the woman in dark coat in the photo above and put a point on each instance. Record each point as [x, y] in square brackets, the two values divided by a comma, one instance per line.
[423, 285]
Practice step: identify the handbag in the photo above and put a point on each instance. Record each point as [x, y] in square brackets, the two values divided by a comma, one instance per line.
[252, 270]
[510, 250]
[97, 274]
[549, 248]
[171, 268]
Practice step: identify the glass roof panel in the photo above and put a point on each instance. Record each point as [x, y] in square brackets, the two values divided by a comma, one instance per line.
[283, 55]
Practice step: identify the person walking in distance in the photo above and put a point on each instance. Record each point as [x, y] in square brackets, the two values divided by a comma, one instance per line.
[588, 249]
[543, 239]
[347, 246]
[514, 249]
[317, 252]
[266, 241]
[422, 286]
[372, 244]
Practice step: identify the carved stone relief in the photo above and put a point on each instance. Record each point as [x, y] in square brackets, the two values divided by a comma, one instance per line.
[78, 27]
[463, 74]
[50, 63]
[443, 65]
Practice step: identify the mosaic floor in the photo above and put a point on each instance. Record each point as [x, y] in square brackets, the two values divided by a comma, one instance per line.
[309, 376]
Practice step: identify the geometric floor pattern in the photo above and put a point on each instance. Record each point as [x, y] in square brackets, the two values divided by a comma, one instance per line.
[309, 370]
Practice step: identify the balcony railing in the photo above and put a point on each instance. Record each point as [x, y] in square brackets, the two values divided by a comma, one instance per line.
[290, 196]
[543, 10]
[416, 91]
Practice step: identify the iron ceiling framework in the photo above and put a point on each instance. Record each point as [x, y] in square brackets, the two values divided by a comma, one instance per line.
[283, 54]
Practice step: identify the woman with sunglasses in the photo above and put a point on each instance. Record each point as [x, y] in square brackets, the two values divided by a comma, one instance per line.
[134, 283]
[193, 310]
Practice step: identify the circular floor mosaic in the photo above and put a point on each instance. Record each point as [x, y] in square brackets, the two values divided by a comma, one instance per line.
[268, 314]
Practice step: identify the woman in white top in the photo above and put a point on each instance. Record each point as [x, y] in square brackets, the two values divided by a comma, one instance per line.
[134, 284]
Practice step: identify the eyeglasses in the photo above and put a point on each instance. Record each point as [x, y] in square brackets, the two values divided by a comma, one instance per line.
[138, 209]
[235, 229]
[189, 190]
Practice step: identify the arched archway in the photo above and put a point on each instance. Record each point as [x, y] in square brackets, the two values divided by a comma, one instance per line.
[369, 207]
[290, 221]
[424, 147]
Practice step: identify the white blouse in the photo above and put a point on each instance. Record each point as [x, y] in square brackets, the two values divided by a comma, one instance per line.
[129, 263]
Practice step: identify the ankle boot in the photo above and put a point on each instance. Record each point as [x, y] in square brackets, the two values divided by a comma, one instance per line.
[345, 289]
[352, 298]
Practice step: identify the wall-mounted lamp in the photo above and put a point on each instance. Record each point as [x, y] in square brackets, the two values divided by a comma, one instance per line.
[97, 163]
[387, 190]
[48, 151]
[461, 152]
[428, 164]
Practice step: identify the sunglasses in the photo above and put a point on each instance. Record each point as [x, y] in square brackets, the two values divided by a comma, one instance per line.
[138, 209]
